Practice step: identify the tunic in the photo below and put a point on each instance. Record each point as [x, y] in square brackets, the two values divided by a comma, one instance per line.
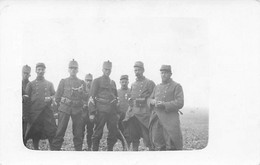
[141, 89]
[170, 134]
[123, 95]
[37, 90]
[71, 101]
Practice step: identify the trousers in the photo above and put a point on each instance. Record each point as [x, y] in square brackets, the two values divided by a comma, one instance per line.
[63, 120]
[111, 120]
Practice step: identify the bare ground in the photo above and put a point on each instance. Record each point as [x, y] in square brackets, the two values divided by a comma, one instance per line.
[194, 124]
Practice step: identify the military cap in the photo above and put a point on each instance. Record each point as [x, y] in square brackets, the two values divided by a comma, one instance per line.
[89, 76]
[73, 64]
[139, 64]
[166, 68]
[107, 65]
[26, 69]
[40, 64]
[124, 77]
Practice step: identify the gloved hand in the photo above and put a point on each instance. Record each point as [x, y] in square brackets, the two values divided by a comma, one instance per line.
[25, 98]
[152, 101]
[85, 106]
[47, 99]
[92, 118]
[131, 102]
[160, 105]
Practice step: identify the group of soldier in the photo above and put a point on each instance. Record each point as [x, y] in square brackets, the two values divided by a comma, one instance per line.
[144, 110]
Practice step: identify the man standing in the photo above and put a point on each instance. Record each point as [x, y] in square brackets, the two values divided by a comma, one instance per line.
[138, 115]
[123, 95]
[69, 97]
[166, 101]
[87, 124]
[41, 122]
[26, 71]
[103, 107]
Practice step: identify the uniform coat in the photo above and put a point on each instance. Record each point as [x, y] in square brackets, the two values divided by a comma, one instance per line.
[123, 95]
[65, 90]
[26, 107]
[68, 90]
[169, 133]
[41, 117]
[141, 88]
[137, 116]
[103, 92]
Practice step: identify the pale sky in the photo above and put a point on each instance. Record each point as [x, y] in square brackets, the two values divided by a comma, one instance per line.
[56, 39]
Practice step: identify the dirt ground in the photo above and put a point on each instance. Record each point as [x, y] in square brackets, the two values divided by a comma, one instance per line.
[194, 125]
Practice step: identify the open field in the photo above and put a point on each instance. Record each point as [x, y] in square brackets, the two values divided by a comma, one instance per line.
[194, 124]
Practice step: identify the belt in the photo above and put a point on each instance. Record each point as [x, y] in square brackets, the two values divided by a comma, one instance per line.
[69, 102]
[140, 102]
[103, 101]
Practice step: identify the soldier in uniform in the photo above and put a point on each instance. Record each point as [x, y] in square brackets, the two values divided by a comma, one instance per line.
[26, 73]
[87, 124]
[41, 122]
[166, 101]
[103, 108]
[123, 95]
[69, 97]
[138, 115]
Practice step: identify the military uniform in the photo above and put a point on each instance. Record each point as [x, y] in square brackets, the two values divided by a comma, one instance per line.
[41, 120]
[69, 97]
[102, 104]
[138, 115]
[123, 96]
[164, 127]
[87, 124]
[25, 110]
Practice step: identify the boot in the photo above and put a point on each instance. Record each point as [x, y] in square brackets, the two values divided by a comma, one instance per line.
[110, 145]
[135, 146]
[36, 144]
[95, 145]
[89, 142]
[50, 143]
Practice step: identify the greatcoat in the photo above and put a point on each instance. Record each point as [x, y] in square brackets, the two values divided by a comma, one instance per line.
[169, 132]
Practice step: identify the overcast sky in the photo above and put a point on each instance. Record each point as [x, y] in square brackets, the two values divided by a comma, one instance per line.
[95, 33]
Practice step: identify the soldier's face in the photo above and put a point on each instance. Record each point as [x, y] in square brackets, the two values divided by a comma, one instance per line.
[124, 83]
[138, 71]
[40, 71]
[106, 71]
[73, 71]
[88, 82]
[26, 75]
[165, 75]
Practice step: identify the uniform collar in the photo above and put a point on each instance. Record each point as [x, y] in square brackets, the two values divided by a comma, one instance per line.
[106, 77]
[40, 78]
[140, 79]
[25, 81]
[124, 88]
[169, 81]
[73, 77]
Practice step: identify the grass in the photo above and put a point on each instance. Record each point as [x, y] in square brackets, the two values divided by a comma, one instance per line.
[194, 124]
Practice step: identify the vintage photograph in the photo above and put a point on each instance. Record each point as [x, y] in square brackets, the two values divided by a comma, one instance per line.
[129, 82]
[108, 83]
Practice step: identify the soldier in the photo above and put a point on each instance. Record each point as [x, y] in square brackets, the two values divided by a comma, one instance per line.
[41, 122]
[69, 97]
[86, 122]
[138, 115]
[103, 108]
[166, 101]
[26, 73]
[123, 95]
